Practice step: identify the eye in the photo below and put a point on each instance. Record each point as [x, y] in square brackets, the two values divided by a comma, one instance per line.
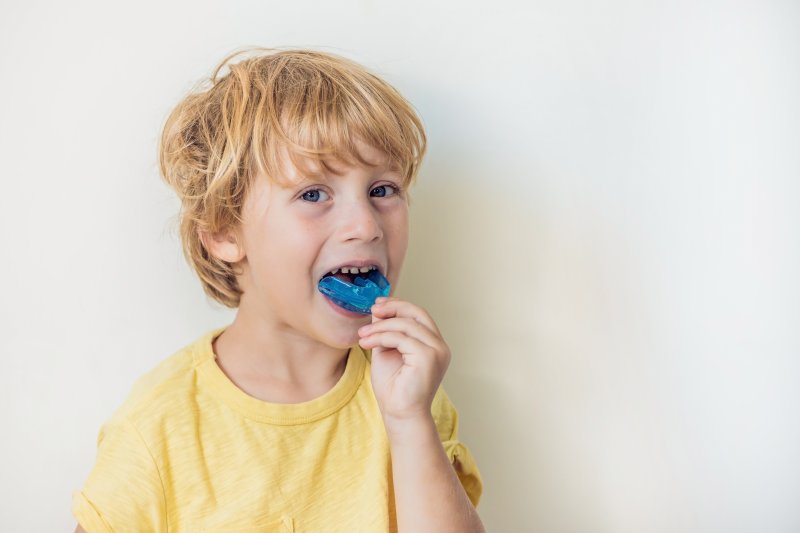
[382, 190]
[313, 195]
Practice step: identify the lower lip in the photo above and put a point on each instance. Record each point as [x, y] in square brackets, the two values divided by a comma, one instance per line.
[343, 311]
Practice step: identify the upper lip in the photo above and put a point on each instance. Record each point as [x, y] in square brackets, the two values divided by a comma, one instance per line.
[356, 263]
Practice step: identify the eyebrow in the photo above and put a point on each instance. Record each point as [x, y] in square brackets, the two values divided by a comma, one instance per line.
[308, 179]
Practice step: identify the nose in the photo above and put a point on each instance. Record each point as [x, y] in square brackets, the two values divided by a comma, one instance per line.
[361, 221]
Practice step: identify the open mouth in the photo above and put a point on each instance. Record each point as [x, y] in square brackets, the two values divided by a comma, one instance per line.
[354, 291]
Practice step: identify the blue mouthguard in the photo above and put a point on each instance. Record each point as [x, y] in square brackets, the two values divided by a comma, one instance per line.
[358, 296]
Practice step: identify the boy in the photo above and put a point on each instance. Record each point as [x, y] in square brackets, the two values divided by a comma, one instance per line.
[300, 415]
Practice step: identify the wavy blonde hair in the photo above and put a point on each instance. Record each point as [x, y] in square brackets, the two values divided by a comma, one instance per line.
[308, 104]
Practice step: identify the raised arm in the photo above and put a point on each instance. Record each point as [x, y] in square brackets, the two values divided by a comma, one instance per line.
[409, 359]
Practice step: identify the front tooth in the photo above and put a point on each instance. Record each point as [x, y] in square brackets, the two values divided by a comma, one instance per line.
[354, 270]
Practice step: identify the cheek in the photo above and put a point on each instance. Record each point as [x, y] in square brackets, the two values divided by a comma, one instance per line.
[401, 225]
[398, 235]
[283, 248]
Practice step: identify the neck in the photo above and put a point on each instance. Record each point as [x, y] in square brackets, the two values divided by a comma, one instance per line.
[272, 361]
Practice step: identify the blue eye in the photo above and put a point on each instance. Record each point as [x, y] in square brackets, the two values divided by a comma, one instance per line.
[312, 195]
[384, 192]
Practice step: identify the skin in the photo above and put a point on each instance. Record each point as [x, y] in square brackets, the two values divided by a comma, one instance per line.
[288, 345]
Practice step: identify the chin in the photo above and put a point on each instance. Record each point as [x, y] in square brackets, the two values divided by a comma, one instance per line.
[339, 336]
[339, 345]
[344, 330]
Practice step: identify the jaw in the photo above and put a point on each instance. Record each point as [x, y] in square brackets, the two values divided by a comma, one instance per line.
[340, 332]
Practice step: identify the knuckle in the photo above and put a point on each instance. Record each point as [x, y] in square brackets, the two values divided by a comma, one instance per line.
[446, 355]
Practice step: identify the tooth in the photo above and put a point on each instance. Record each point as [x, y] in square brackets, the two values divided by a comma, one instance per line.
[365, 269]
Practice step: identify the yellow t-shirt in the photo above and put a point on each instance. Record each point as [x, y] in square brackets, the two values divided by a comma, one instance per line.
[190, 451]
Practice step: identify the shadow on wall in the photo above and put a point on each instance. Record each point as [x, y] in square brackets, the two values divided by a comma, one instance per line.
[470, 252]
[525, 297]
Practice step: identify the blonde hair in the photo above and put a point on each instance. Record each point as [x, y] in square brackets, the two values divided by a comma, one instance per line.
[308, 104]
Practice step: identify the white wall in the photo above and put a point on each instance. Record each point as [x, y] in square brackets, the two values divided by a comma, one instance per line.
[606, 231]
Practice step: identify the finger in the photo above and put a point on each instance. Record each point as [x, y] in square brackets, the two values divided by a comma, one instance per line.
[394, 307]
[409, 326]
[393, 339]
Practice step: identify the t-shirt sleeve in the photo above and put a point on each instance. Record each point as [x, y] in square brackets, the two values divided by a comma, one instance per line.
[446, 418]
[123, 491]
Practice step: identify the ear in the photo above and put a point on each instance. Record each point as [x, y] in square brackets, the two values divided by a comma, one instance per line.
[223, 245]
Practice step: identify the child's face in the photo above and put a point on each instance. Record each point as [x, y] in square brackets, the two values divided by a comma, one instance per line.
[293, 236]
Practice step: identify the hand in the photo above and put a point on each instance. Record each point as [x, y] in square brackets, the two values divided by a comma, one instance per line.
[409, 359]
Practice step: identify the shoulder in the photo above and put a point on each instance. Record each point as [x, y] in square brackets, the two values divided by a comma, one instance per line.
[127, 487]
[165, 386]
